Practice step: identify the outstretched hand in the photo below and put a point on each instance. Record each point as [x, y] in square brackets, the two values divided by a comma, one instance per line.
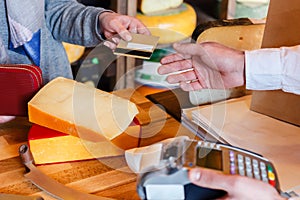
[206, 65]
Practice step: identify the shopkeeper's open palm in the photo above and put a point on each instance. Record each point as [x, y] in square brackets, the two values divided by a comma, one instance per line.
[211, 65]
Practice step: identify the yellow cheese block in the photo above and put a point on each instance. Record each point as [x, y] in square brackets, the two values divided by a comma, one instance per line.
[242, 37]
[80, 110]
[151, 6]
[172, 26]
[50, 146]
[74, 52]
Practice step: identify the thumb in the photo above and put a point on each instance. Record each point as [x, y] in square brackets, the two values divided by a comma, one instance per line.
[209, 178]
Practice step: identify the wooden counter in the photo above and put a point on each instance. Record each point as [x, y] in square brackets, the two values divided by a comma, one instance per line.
[108, 177]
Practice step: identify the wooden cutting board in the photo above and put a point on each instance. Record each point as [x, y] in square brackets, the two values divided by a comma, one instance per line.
[108, 177]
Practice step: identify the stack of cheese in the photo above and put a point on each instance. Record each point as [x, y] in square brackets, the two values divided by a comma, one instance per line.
[73, 121]
[171, 20]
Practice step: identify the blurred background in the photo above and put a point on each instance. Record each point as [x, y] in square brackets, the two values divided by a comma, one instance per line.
[99, 67]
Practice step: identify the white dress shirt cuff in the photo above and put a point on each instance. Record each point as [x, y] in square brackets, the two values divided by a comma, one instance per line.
[263, 69]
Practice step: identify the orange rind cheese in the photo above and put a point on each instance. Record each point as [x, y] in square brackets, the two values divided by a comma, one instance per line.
[237, 37]
[172, 26]
[74, 52]
[80, 110]
[50, 146]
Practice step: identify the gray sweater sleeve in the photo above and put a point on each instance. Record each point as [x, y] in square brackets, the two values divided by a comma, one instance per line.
[72, 22]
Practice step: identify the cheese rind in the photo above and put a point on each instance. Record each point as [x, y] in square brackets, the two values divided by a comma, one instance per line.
[77, 109]
[237, 37]
[74, 52]
[172, 27]
[50, 146]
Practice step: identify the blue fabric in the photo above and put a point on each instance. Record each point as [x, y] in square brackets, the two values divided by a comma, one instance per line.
[30, 49]
[63, 20]
[33, 48]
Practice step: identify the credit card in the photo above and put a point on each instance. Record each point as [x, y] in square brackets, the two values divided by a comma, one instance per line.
[141, 46]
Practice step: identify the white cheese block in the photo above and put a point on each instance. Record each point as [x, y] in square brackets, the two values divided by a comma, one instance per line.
[151, 6]
[139, 159]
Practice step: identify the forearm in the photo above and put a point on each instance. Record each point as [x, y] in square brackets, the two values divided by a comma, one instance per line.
[271, 69]
[72, 22]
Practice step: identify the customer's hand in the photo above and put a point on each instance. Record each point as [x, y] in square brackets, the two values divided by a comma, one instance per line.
[237, 187]
[115, 26]
[208, 65]
[4, 119]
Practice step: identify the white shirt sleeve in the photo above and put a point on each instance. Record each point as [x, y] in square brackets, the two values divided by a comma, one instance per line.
[273, 69]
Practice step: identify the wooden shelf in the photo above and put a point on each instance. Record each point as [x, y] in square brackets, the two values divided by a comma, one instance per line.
[125, 74]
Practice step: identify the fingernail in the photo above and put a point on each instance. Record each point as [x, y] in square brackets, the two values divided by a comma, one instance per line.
[128, 37]
[161, 70]
[115, 40]
[106, 44]
[176, 45]
[195, 175]
[109, 45]
[170, 79]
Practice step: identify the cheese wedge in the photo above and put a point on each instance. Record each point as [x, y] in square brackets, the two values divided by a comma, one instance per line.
[172, 26]
[139, 159]
[242, 37]
[150, 6]
[80, 110]
[74, 52]
[150, 157]
[50, 146]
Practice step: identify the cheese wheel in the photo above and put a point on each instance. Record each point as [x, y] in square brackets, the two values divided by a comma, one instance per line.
[172, 26]
[151, 6]
[77, 109]
[237, 37]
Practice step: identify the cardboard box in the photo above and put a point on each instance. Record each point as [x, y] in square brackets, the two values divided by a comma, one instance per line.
[281, 29]
[280, 105]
